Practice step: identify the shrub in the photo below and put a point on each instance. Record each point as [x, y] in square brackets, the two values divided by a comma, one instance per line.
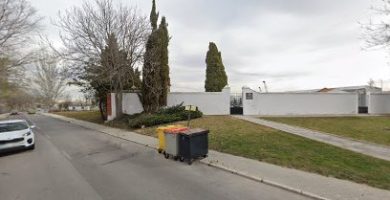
[163, 116]
[172, 110]
[184, 114]
[151, 120]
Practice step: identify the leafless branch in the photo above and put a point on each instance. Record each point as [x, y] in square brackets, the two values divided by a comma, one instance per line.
[376, 31]
[85, 31]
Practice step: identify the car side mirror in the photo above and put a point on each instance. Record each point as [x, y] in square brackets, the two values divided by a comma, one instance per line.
[33, 126]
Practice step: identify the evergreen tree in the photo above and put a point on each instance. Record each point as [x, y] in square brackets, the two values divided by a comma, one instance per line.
[151, 78]
[154, 16]
[164, 68]
[155, 72]
[216, 78]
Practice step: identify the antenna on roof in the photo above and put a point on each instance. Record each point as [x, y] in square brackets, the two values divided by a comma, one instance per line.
[265, 87]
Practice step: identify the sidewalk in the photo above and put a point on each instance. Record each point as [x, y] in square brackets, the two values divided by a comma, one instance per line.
[370, 149]
[308, 184]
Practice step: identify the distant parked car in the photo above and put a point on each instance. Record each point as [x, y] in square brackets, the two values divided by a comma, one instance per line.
[16, 134]
[14, 112]
[31, 111]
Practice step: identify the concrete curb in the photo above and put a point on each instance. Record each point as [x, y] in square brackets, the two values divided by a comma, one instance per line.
[265, 181]
[210, 164]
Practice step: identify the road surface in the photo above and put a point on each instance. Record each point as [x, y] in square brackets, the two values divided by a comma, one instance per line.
[71, 162]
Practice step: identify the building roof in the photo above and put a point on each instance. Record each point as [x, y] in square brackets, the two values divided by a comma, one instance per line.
[325, 90]
[339, 89]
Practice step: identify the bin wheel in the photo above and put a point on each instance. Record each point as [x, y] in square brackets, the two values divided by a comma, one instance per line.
[166, 155]
[189, 162]
[204, 156]
[175, 158]
[181, 159]
[159, 150]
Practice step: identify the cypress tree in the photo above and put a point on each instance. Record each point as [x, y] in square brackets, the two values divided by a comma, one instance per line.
[151, 76]
[154, 16]
[164, 68]
[151, 81]
[156, 81]
[216, 78]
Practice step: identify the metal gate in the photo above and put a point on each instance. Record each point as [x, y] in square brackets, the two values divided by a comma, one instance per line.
[236, 107]
[362, 101]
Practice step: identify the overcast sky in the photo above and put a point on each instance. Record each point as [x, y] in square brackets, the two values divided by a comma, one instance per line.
[291, 44]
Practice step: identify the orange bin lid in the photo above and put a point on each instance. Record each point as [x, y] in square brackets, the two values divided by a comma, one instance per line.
[176, 130]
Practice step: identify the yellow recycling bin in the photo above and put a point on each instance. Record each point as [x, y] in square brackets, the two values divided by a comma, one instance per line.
[161, 136]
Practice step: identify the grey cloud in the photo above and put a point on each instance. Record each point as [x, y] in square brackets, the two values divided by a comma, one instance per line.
[294, 44]
[270, 75]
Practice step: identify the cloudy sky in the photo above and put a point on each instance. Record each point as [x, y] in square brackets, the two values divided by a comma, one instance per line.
[291, 44]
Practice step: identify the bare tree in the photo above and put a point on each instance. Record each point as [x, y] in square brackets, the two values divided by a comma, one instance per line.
[20, 99]
[18, 26]
[86, 32]
[49, 80]
[17, 20]
[371, 83]
[377, 29]
[18, 23]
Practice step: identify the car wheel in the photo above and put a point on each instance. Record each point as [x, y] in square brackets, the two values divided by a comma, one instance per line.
[32, 147]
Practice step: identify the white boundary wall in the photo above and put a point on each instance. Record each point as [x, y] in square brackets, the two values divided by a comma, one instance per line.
[131, 103]
[210, 103]
[299, 103]
[379, 103]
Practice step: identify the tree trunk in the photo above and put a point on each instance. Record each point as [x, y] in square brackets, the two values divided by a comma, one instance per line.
[101, 109]
[118, 104]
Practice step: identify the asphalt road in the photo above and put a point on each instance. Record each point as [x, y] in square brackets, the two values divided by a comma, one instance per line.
[71, 162]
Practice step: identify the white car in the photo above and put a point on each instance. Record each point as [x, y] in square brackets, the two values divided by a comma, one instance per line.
[16, 134]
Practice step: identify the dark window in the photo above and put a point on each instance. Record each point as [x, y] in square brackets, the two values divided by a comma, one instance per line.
[248, 96]
[16, 126]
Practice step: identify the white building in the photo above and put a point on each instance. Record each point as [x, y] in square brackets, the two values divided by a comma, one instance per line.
[363, 92]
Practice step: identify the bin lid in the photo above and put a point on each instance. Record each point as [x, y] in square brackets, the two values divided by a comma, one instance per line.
[163, 128]
[176, 130]
[195, 131]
